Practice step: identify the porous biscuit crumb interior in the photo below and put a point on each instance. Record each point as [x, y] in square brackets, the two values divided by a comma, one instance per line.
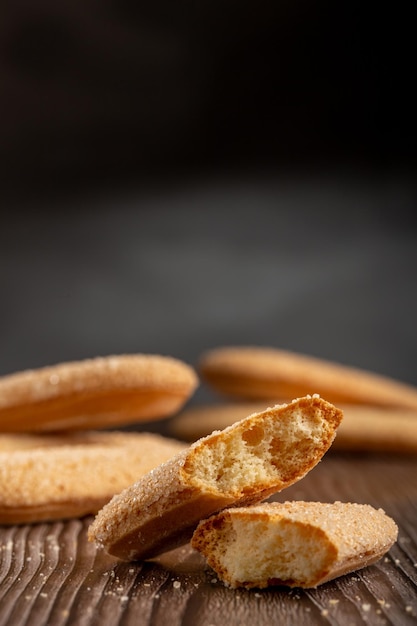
[260, 552]
[300, 544]
[258, 451]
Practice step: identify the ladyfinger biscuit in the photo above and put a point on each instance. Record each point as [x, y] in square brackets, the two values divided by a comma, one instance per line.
[46, 477]
[95, 393]
[297, 544]
[364, 428]
[241, 465]
[262, 373]
[368, 429]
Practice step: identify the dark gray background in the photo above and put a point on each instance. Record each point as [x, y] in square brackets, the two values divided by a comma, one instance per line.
[176, 177]
[325, 267]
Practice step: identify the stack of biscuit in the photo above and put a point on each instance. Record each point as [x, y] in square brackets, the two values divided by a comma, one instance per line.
[57, 458]
[151, 493]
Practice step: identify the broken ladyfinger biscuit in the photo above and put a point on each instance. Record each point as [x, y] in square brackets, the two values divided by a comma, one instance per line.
[297, 544]
[269, 373]
[94, 393]
[49, 477]
[241, 465]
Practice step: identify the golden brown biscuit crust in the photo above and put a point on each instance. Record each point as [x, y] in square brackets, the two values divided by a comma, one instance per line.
[55, 477]
[94, 393]
[262, 373]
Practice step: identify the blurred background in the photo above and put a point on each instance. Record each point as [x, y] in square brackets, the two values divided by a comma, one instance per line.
[177, 176]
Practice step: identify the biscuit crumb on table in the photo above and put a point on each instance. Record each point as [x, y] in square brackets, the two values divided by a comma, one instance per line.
[211, 492]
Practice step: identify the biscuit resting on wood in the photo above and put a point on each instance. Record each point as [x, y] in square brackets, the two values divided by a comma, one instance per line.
[49, 477]
[297, 544]
[241, 465]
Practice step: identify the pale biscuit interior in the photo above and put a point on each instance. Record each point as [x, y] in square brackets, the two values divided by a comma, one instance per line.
[297, 544]
[243, 464]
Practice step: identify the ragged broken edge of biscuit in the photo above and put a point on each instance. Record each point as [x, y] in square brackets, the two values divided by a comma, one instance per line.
[364, 427]
[296, 544]
[239, 466]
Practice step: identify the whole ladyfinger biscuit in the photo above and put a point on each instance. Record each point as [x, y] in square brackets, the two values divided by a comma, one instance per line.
[264, 373]
[47, 477]
[241, 465]
[363, 428]
[94, 393]
[379, 429]
[298, 544]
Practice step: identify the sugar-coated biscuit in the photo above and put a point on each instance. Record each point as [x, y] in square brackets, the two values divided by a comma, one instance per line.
[297, 544]
[94, 393]
[48, 477]
[241, 465]
[262, 373]
[364, 428]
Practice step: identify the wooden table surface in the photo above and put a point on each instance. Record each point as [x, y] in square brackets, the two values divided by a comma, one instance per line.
[50, 574]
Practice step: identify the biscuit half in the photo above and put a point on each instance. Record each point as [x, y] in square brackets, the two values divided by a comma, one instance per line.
[241, 465]
[265, 373]
[297, 544]
[94, 393]
[53, 477]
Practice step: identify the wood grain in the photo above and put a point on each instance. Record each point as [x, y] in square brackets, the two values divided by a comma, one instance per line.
[50, 574]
